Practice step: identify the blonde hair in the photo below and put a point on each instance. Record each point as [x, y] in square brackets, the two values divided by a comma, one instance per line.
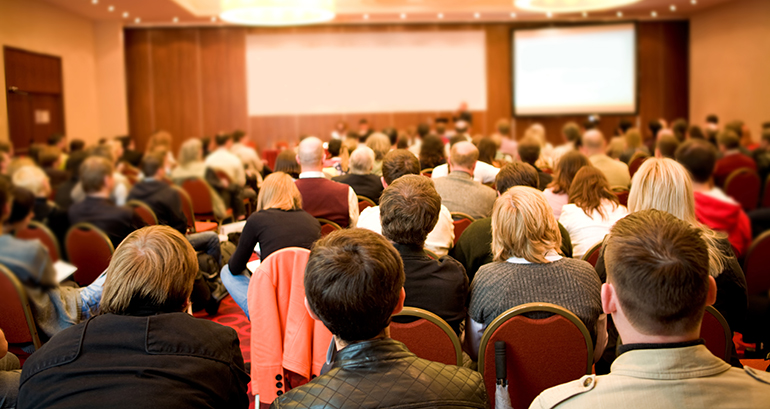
[523, 226]
[664, 184]
[191, 151]
[152, 267]
[33, 179]
[157, 140]
[379, 143]
[633, 138]
[278, 191]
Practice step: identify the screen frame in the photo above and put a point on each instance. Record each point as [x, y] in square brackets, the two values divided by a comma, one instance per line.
[637, 101]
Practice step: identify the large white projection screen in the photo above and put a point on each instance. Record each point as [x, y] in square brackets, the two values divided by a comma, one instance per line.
[330, 73]
[579, 70]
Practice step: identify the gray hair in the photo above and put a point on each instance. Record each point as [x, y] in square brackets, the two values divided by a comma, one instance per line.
[362, 161]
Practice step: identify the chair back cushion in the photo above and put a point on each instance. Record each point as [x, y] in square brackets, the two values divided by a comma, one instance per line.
[36, 230]
[716, 333]
[755, 265]
[636, 163]
[766, 194]
[15, 307]
[328, 227]
[89, 250]
[743, 185]
[187, 209]
[592, 255]
[622, 194]
[144, 211]
[427, 340]
[460, 226]
[200, 195]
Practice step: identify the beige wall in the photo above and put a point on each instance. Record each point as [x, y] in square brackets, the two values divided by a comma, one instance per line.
[730, 63]
[92, 65]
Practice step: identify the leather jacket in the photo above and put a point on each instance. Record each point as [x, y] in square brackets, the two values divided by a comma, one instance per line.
[383, 373]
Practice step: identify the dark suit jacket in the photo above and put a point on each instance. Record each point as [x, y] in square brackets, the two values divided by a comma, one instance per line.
[116, 222]
[54, 217]
[163, 200]
[132, 157]
[369, 186]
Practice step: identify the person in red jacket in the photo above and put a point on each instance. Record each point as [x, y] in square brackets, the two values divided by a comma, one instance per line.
[712, 206]
[732, 158]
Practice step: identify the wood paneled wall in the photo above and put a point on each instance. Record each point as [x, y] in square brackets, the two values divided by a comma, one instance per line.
[192, 82]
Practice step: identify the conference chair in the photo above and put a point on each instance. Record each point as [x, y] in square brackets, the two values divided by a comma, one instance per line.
[144, 211]
[89, 249]
[755, 265]
[427, 172]
[592, 255]
[427, 336]
[716, 333]
[431, 254]
[269, 156]
[743, 185]
[364, 202]
[327, 226]
[636, 162]
[766, 194]
[17, 320]
[461, 221]
[622, 194]
[540, 353]
[39, 231]
[193, 226]
[202, 202]
[130, 172]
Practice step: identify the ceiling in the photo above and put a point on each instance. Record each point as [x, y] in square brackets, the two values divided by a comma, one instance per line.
[204, 12]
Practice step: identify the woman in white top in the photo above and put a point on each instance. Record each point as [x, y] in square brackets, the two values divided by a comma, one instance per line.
[557, 192]
[592, 211]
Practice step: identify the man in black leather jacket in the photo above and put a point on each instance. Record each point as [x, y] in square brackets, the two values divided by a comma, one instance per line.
[353, 284]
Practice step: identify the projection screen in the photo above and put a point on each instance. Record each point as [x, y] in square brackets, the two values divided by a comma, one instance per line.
[575, 70]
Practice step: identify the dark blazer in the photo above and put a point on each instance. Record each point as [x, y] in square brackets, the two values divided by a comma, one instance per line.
[116, 222]
[163, 200]
[54, 217]
[369, 186]
[134, 158]
[166, 360]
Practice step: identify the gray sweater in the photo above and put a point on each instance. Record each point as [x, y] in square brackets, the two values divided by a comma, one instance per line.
[569, 283]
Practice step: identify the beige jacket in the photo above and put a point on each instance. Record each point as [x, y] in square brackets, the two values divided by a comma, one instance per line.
[615, 170]
[687, 377]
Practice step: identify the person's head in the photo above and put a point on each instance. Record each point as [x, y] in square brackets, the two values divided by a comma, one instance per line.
[73, 164]
[712, 119]
[503, 127]
[432, 151]
[49, 157]
[33, 179]
[623, 126]
[310, 154]
[461, 127]
[58, 140]
[362, 161]
[334, 147]
[463, 157]
[654, 126]
[571, 131]
[238, 135]
[159, 139]
[96, 175]
[398, 163]
[728, 140]
[380, 144]
[699, 158]
[663, 184]
[6, 198]
[529, 150]
[487, 149]
[77, 145]
[140, 276]
[696, 132]
[666, 146]
[363, 124]
[735, 126]
[765, 139]
[523, 226]
[589, 189]
[568, 166]
[6, 147]
[33, 152]
[658, 281]
[409, 210]
[278, 191]
[423, 129]
[152, 165]
[392, 134]
[286, 162]
[354, 283]
[593, 142]
[21, 209]
[633, 138]
[105, 151]
[440, 124]
[191, 152]
[223, 140]
[516, 174]
[679, 126]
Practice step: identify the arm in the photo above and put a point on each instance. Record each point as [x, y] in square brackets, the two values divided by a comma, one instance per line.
[353, 207]
[473, 333]
[249, 239]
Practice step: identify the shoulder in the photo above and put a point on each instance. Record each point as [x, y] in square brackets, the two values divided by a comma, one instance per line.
[573, 264]
[552, 397]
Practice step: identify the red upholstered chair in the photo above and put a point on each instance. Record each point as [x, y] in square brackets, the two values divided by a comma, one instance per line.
[429, 337]
[540, 353]
[743, 185]
[17, 320]
[622, 193]
[427, 172]
[715, 331]
[755, 265]
[328, 226]
[37, 230]
[766, 194]
[364, 202]
[144, 211]
[461, 221]
[592, 255]
[193, 226]
[636, 162]
[269, 156]
[200, 197]
[88, 249]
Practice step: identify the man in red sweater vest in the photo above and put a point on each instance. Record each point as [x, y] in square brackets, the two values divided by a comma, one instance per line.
[732, 158]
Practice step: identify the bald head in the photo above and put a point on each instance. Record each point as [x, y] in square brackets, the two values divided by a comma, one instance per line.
[310, 154]
[463, 156]
[593, 142]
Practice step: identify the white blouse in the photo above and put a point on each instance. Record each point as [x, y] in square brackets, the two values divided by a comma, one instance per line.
[587, 230]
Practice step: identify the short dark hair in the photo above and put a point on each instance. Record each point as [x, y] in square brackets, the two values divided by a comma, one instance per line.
[74, 161]
[699, 158]
[695, 131]
[5, 195]
[624, 125]
[392, 134]
[516, 174]
[238, 135]
[353, 282]
[529, 150]
[667, 145]
[77, 145]
[571, 131]
[334, 147]
[679, 126]
[766, 134]
[363, 121]
[125, 141]
[55, 139]
[712, 119]
[457, 139]
[659, 266]
[22, 206]
[766, 125]
[654, 127]
[409, 210]
[92, 173]
[729, 139]
[151, 162]
[423, 129]
[735, 126]
[5, 146]
[48, 156]
[221, 139]
[397, 163]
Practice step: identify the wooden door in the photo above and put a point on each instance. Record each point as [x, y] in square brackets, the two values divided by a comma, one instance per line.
[35, 97]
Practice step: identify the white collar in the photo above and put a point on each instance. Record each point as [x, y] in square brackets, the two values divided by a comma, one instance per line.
[550, 256]
[311, 174]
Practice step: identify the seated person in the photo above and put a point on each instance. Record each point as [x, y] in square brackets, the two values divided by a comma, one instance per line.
[64, 193]
[409, 210]
[527, 268]
[54, 307]
[594, 145]
[10, 372]
[360, 177]
[459, 192]
[143, 350]
[712, 206]
[191, 165]
[47, 212]
[729, 144]
[353, 284]
[557, 192]
[482, 173]
[395, 164]
[663, 363]
[474, 248]
[278, 222]
[666, 145]
[529, 152]
[50, 159]
[97, 208]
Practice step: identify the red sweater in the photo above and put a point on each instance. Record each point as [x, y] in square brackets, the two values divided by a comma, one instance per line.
[725, 217]
[729, 164]
[326, 199]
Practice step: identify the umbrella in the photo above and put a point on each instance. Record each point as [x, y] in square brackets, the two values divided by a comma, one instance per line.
[502, 398]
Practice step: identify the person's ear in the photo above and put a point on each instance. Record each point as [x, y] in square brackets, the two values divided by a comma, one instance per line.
[609, 298]
[384, 185]
[310, 311]
[711, 296]
[296, 157]
[400, 305]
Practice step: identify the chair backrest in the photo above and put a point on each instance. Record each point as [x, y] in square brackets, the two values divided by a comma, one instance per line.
[37, 230]
[755, 265]
[17, 320]
[427, 172]
[766, 194]
[592, 255]
[622, 194]
[715, 331]
[144, 211]
[269, 156]
[187, 208]
[636, 162]
[200, 195]
[364, 202]
[328, 226]
[429, 337]
[540, 353]
[88, 249]
[743, 185]
[461, 221]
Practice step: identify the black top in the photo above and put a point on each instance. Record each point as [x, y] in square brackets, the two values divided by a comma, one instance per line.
[134, 158]
[439, 286]
[543, 179]
[163, 200]
[274, 229]
[116, 222]
[369, 186]
[53, 217]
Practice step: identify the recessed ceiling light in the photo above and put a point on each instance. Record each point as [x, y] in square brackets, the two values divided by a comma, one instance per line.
[94, 1]
[440, 15]
[549, 14]
[694, 1]
[673, 7]
[125, 14]
[111, 8]
[403, 16]
[620, 14]
[214, 19]
[176, 19]
[366, 17]
[476, 15]
[654, 14]
[570, 6]
[585, 14]
[137, 20]
[513, 15]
